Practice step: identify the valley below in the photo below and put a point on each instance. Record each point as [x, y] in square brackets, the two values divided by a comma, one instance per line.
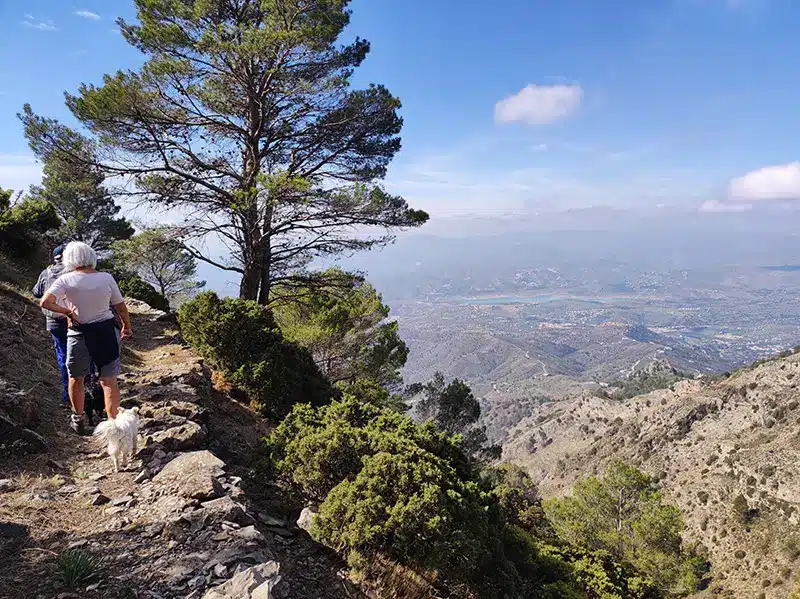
[546, 349]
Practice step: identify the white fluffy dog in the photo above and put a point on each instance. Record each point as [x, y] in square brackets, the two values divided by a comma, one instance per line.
[120, 435]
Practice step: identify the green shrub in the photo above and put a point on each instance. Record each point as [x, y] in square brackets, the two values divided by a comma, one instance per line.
[319, 448]
[241, 339]
[392, 488]
[342, 321]
[76, 567]
[517, 497]
[131, 285]
[136, 288]
[23, 224]
[602, 577]
[411, 506]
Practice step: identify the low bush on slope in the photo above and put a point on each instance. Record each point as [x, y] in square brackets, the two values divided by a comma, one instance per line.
[390, 488]
[240, 338]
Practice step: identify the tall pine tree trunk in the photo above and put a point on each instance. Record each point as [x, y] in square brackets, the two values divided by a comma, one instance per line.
[265, 280]
[251, 277]
[252, 257]
[266, 259]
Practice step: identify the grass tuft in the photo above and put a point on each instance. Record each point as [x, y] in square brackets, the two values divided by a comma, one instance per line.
[76, 567]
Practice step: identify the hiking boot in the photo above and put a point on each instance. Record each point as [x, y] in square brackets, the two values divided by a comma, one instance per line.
[78, 423]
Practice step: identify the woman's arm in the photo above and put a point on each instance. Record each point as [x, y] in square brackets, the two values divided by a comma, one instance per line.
[122, 310]
[49, 302]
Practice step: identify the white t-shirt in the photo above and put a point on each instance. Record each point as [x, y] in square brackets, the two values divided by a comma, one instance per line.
[88, 294]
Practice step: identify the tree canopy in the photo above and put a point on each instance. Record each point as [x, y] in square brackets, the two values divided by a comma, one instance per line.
[243, 117]
[455, 410]
[344, 326]
[389, 487]
[75, 189]
[624, 515]
[241, 340]
[23, 224]
[160, 260]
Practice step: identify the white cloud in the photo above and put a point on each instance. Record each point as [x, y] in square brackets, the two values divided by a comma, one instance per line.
[40, 25]
[539, 104]
[87, 14]
[778, 182]
[716, 206]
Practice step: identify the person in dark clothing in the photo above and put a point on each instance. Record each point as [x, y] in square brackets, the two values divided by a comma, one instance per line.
[56, 323]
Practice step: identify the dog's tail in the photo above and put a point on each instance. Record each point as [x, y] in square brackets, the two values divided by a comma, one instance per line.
[103, 429]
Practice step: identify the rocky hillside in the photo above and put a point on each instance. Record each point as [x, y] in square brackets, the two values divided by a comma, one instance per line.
[726, 451]
[184, 520]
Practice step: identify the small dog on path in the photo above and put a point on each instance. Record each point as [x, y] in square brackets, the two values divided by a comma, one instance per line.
[120, 435]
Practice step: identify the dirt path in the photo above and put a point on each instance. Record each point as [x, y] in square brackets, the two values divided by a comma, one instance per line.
[178, 522]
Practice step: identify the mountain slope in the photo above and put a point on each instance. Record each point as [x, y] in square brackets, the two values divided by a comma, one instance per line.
[726, 452]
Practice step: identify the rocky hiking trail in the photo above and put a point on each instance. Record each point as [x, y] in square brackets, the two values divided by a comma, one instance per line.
[184, 520]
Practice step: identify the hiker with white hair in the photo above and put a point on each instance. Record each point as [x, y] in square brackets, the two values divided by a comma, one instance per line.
[86, 297]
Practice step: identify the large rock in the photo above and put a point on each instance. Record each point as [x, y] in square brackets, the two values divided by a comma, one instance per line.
[258, 582]
[307, 518]
[225, 508]
[140, 307]
[165, 410]
[189, 435]
[192, 475]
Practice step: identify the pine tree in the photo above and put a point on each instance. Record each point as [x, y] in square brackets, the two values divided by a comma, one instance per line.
[345, 326]
[74, 187]
[243, 116]
[160, 260]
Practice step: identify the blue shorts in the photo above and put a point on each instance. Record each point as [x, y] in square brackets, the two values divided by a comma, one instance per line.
[79, 360]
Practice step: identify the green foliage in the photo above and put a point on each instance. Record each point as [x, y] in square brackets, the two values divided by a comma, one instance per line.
[267, 81]
[395, 489]
[601, 576]
[23, 224]
[453, 407]
[73, 185]
[159, 259]
[131, 285]
[346, 431]
[659, 375]
[341, 320]
[455, 410]
[76, 567]
[134, 287]
[369, 391]
[241, 339]
[517, 497]
[623, 514]
[411, 506]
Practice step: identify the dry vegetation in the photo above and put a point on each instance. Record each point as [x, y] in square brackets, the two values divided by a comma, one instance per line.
[726, 452]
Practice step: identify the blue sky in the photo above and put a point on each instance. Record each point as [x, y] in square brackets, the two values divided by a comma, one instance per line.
[526, 106]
